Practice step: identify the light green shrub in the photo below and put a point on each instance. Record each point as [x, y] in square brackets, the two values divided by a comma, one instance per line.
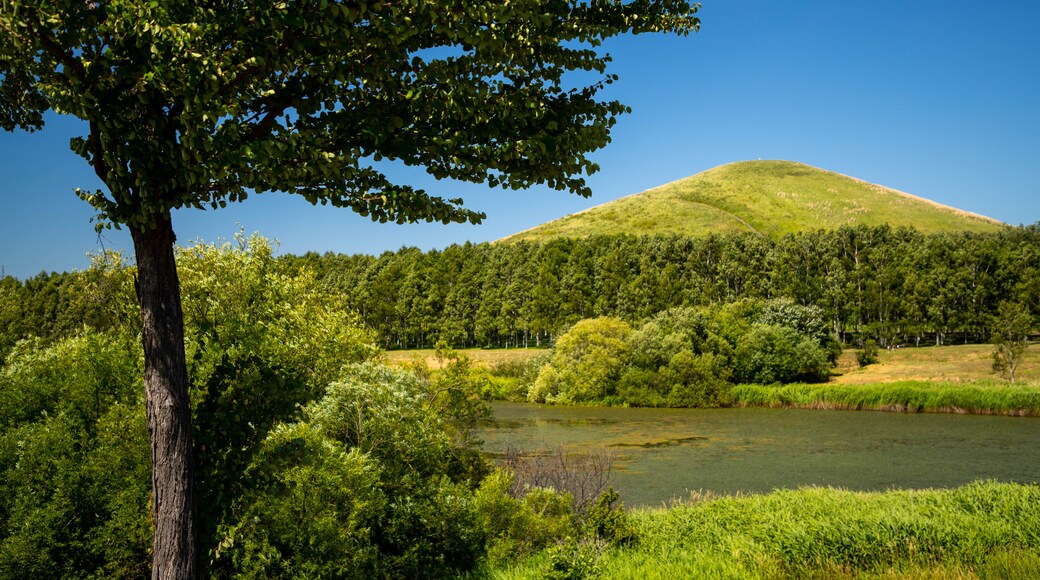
[515, 528]
[586, 364]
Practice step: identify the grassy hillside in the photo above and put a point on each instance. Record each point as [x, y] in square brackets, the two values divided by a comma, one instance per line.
[772, 198]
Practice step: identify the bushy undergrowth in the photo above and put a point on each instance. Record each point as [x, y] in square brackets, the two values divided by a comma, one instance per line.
[981, 397]
[311, 462]
[686, 357]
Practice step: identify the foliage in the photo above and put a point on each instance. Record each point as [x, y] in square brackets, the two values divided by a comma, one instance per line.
[571, 560]
[587, 360]
[1010, 338]
[868, 355]
[373, 475]
[54, 306]
[372, 481]
[73, 460]
[896, 286]
[257, 105]
[10, 315]
[516, 527]
[375, 479]
[686, 357]
[239, 301]
[779, 354]
[697, 380]
[610, 522]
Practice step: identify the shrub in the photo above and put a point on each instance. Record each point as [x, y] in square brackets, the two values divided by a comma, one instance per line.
[586, 363]
[610, 522]
[571, 560]
[374, 480]
[517, 527]
[74, 471]
[642, 387]
[868, 355]
[778, 354]
[697, 380]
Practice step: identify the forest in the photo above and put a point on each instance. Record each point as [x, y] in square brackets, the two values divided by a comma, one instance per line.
[895, 286]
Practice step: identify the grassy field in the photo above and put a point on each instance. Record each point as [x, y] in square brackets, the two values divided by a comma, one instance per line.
[481, 358]
[983, 530]
[771, 198]
[958, 363]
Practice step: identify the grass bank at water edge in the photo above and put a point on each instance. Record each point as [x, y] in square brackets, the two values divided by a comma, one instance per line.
[979, 397]
[982, 530]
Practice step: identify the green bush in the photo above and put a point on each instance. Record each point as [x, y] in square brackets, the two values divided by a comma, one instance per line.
[74, 470]
[779, 354]
[515, 528]
[868, 355]
[571, 560]
[697, 380]
[687, 357]
[586, 364]
[372, 481]
[610, 522]
[642, 387]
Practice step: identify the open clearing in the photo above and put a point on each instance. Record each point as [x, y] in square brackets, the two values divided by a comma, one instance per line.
[957, 363]
[480, 357]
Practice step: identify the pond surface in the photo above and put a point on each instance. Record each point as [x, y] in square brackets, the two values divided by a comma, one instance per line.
[663, 454]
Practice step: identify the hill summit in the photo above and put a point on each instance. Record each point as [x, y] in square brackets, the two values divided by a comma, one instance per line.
[771, 198]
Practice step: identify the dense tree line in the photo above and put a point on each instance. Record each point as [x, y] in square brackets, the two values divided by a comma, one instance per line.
[898, 286]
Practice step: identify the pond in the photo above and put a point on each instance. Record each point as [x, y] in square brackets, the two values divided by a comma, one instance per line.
[661, 454]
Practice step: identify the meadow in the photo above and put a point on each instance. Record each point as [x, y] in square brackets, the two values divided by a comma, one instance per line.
[982, 530]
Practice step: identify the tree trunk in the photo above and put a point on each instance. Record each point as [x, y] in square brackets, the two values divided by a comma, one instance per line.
[167, 404]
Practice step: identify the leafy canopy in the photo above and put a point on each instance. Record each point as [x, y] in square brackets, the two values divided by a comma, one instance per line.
[197, 104]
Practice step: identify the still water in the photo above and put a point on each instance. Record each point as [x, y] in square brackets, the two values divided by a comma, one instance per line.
[661, 454]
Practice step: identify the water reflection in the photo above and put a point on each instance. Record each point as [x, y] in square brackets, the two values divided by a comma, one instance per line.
[666, 453]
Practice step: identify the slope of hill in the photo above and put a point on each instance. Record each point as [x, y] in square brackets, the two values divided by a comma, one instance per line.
[771, 198]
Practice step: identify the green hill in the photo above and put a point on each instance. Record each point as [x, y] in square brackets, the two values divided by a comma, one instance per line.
[772, 198]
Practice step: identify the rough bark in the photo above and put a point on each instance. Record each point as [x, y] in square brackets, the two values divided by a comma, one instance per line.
[167, 403]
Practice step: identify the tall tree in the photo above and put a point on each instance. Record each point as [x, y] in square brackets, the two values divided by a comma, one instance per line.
[197, 104]
[1010, 338]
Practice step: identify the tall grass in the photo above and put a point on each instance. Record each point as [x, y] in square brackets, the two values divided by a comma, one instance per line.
[981, 397]
[983, 529]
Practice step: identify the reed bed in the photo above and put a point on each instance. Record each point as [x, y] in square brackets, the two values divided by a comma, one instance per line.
[979, 397]
[985, 529]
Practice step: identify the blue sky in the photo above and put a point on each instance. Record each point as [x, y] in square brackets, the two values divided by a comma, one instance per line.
[938, 99]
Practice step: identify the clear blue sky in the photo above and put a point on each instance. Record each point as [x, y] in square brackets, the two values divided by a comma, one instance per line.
[938, 99]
